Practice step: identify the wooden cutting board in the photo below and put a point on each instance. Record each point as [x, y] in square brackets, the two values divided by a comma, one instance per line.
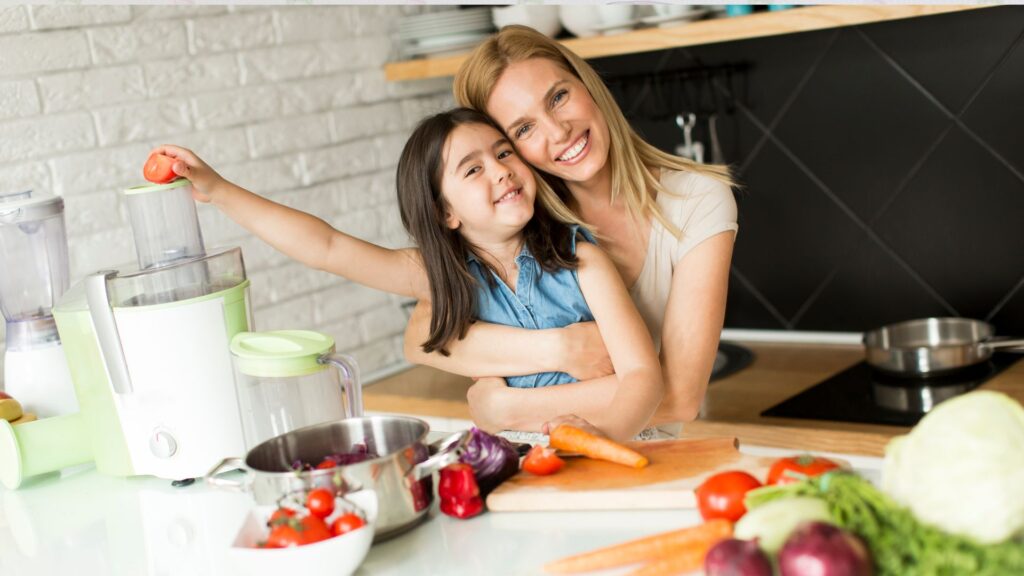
[676, 468]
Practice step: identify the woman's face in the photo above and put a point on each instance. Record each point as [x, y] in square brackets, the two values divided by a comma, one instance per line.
[552, 120]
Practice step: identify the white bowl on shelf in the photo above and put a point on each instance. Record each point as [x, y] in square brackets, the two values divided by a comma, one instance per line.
[542, 18]
[584, 21]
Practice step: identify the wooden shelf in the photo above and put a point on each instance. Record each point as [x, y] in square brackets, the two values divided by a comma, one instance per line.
[803, 19]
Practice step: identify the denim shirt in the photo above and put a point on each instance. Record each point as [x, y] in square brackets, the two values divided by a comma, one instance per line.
[542, 300]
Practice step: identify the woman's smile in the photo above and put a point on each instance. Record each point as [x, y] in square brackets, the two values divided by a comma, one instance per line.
[577, 152]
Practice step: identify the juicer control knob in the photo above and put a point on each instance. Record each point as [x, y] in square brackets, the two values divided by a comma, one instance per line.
[162, 444]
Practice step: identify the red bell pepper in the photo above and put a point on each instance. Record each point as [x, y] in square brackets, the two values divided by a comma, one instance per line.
[458, 492]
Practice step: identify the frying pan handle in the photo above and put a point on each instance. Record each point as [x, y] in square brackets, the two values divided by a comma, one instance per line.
[1004, 344]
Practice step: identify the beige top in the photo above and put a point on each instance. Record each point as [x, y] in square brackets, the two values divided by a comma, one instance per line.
[700, 207]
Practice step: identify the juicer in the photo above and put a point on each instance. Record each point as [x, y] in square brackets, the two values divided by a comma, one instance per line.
[148, 350]
[34, 252]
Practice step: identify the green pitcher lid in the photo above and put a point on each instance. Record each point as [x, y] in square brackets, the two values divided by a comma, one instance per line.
[280, 353]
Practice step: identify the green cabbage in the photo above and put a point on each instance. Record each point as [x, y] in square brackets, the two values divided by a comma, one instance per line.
[961, 468]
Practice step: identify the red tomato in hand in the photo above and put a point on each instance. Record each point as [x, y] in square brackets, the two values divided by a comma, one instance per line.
[158, 169]
[346, 523]
[801, 466]
[542, 461]
[721, 495]
[320, 502]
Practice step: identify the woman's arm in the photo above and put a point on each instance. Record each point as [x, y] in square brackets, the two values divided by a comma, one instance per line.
[302, 236]
[494, 349]
[693, 325]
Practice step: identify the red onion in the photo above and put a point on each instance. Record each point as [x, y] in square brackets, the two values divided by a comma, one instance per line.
[821, 549]
[734, 557]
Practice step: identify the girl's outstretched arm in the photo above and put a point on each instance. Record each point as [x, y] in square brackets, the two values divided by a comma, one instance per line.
[302, 236]
[495, 349]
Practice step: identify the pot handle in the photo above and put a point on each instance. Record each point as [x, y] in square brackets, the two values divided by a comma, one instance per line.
[1004, 344]
[225, 465]
[349, 370]
[451, 448]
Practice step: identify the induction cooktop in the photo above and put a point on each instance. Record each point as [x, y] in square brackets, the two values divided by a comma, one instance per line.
[864, 395]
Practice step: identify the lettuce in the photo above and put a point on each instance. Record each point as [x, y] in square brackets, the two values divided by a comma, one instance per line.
[961, 469]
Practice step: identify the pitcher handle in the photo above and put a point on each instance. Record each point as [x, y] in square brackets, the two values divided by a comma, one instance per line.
[234, 485]
[349, 371]
[451, 449]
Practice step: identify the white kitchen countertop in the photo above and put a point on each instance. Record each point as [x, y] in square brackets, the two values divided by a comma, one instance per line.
[83, 523]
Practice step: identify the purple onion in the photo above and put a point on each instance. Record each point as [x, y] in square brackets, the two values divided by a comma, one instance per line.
[493, 459]
[732, 557]
[821, 549]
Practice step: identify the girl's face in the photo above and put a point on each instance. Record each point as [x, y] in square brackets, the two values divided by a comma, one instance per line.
[551, 118]
[489, 190]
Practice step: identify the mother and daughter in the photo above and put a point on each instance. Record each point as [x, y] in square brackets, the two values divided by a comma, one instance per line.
[512, 288]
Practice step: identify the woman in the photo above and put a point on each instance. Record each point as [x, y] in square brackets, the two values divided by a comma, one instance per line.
[668, 224]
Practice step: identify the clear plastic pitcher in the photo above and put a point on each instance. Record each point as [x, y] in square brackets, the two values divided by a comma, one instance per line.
[290, 379]
[164, 223]
[34, 255]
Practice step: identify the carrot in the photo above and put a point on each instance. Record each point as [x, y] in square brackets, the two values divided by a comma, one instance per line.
[695, 539]
[572, 439]
[678, 563]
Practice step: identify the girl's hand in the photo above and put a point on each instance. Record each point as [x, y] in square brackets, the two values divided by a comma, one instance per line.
[485, 404]
[572, 420]
[205, 181]
[584, 353]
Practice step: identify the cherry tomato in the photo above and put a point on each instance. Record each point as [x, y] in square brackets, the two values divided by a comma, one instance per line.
[280, 515]
[320, 502]
[327, 463]
[721, 495]
[796, 468]
[542, 461]
[346, 523]
[313, 529]
[284, 535]
[158, 169]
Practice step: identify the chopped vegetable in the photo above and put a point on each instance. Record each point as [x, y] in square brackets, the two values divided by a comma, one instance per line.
[458, 492]
[158, 169]
[493, 458]
[772, 523]
[721, 495]
[821, 549]
[898, 542]
[962, 467]
[542, 461]
[359, 453]
[695, 538]
[796, 468]
[572, 439]
[734, 557]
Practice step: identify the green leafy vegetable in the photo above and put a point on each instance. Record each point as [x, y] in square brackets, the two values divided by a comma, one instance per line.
[962, 467]
[900, 545]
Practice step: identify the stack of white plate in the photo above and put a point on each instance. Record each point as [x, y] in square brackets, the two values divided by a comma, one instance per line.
[438, 33]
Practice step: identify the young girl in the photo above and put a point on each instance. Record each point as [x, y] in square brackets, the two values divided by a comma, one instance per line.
[484, 252]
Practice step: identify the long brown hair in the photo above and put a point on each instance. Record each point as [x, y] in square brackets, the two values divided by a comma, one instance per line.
[629, 156]
[423, 207]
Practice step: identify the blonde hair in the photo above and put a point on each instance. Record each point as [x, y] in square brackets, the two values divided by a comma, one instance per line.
[630, 157]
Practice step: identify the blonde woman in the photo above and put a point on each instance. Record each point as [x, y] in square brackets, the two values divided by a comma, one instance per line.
[667, 223]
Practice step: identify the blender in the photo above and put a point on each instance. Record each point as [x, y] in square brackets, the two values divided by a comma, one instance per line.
[34, 251]
[148, 350]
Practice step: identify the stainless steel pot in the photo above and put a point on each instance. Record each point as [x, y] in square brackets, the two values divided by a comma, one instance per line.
[932, 346]
[400, 475]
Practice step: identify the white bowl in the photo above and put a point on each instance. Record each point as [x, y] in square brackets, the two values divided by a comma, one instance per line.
[586, 21]
[342, 554]
[542, 18]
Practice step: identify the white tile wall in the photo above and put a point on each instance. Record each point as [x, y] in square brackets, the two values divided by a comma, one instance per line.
[290, 101]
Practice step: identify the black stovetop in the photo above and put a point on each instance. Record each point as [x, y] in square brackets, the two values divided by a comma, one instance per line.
[864, 395]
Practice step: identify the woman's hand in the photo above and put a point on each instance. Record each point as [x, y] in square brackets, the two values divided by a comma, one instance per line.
[572, 420]
[205, 181]
[485, 404]
[584, 352]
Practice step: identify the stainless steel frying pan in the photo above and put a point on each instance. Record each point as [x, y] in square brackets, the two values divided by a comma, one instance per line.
[932, 346]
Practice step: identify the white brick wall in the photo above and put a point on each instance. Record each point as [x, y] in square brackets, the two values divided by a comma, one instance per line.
[290, 101]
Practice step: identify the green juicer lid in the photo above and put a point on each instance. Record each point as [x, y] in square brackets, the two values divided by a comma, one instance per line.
[147, 188]
[280, 353]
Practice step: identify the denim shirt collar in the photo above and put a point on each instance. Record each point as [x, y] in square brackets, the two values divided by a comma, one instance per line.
[523, 254]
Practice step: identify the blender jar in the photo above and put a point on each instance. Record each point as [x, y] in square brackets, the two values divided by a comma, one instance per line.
[285, 381]
[164, 223]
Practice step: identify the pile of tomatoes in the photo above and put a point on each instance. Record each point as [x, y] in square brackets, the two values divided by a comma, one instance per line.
[311, 521]
[721, 495]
